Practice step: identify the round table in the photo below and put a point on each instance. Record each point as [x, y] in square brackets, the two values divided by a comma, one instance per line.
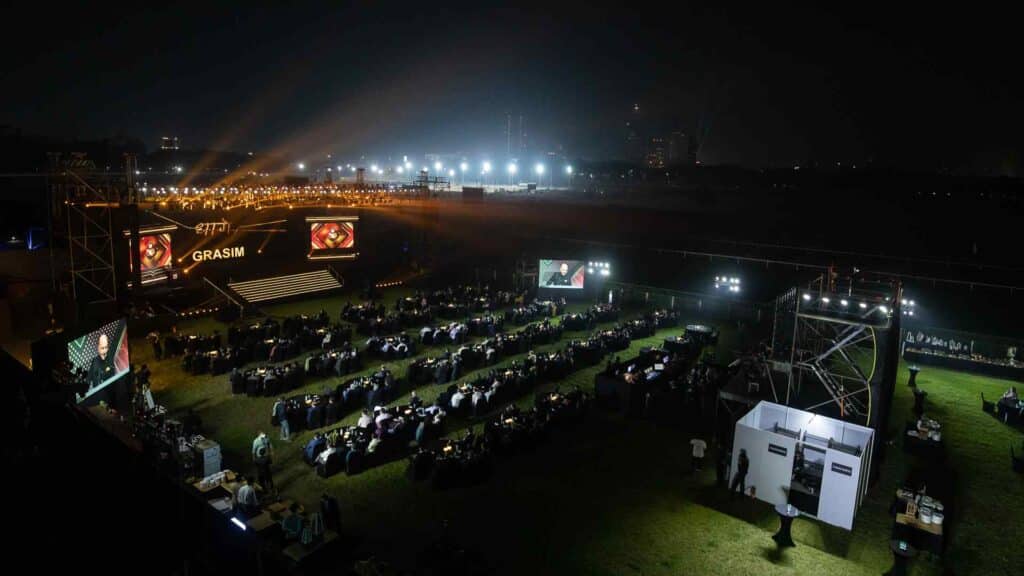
[786, 514]
[913, 376]
[901, 551]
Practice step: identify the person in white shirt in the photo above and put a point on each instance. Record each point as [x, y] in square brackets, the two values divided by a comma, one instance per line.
[699, 446]
[365, 419]
[457, 399]
[245, 498]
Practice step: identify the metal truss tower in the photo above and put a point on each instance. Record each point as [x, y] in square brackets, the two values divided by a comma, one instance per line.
[831, 342]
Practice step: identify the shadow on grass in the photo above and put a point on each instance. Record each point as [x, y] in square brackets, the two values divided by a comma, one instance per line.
[776, 555]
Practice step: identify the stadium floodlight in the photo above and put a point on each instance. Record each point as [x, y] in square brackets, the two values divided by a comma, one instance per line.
[302, 166]
[903, 301]
[912, 303]
[463, 167]
[512, 168]
[539, 169]
[863, 305]
[826, 300]
[807, 297]
[883, 309]
[408, 165]
[438, 166]
[399, 170]
[568, 170]
[487, 167]
[339, 168]
[844, 302]
[451, 172]
[373, 168]
[353, 168]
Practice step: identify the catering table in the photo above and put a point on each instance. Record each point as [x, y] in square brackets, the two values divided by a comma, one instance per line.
[918, 442]
[786, 512]
[910, 527]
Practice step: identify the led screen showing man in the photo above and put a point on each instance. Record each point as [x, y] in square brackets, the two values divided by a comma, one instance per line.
[154, 251]
[102, 354]
[332, 235]
[567, 274]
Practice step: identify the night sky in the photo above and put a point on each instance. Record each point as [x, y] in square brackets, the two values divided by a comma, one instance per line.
[921, 89]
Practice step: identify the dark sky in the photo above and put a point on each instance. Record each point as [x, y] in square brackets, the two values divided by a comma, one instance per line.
[771, 86]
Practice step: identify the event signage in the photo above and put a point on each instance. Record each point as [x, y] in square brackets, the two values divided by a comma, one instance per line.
[841, 469]
[219, 254]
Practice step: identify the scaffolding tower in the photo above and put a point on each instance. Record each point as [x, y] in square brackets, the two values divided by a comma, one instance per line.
[83, 205]
[830, 341]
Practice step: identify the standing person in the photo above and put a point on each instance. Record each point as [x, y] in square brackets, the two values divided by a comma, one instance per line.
[281, 413]
[262, 454]
[697, 455]
[740, 479]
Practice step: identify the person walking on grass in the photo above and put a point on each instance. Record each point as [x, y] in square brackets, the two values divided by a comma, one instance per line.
[262, 455]
[280, 412]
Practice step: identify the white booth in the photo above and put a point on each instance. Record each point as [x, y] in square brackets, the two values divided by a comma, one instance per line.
[818, 464]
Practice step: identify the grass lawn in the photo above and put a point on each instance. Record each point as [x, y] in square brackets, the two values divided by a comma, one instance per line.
[615, 496]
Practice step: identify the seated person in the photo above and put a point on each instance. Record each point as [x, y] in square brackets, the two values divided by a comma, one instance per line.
[292, 524]
[415, 400]
[1010, 394]
[457, 398]
[365, 419]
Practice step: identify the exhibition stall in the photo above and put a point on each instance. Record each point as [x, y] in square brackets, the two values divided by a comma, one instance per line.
[817, 464]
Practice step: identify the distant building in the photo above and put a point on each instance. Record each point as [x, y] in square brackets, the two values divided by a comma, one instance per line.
[656, 153]
[679, 149]
[169, 143]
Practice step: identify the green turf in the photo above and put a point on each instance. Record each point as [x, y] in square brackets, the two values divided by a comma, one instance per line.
[613, 496]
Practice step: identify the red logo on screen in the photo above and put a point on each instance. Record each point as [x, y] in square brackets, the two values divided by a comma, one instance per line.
[332, 235]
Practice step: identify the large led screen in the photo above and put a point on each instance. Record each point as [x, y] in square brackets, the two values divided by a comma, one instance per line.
[568, 274]
[332, 236]
[154, 252]
[102, 355]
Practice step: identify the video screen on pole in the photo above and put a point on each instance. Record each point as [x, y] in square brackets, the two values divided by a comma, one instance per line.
[568, 274]
[332, 236]
[155, 252]
[102, 355]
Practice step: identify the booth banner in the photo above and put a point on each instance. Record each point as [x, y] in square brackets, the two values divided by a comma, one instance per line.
[980, 348]
[155, 251]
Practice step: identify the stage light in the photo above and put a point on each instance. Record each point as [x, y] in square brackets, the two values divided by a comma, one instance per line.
[912, 303]
[437, 166]
[807, 297]
[353, 169]
[463, 167]
[590, 270]
[539, 169]
[238, 523]
[844, 302]
[911, 312]
[301, 166]
[568, 170]
[862, 305]
[903, 301]
[605, 272]
[826, 300]
[883, 309]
